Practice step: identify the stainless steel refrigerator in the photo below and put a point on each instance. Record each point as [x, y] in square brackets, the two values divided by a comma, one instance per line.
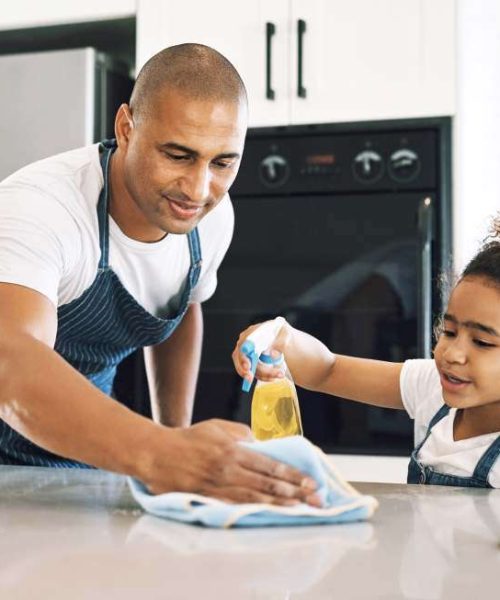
[57, 100]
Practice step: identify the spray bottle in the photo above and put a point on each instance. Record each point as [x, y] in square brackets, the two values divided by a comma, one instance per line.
[275, 406]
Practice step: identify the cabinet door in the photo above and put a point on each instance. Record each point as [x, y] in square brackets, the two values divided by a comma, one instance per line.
[366, 59]
[237, 30]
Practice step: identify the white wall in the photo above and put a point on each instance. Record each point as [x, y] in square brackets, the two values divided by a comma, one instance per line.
[477, 125]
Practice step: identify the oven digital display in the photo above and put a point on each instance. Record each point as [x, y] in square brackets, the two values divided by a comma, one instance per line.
[320, 159]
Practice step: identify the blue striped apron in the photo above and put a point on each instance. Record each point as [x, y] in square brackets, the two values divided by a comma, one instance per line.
[96, 331]
[419, 473]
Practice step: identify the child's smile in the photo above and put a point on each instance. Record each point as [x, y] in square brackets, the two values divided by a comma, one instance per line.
[453, 383]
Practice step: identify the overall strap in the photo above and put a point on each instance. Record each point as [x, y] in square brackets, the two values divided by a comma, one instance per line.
[487, 461]
[109, 146]
[440, 414]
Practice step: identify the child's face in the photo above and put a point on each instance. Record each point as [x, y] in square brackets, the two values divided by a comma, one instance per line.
[467, 354]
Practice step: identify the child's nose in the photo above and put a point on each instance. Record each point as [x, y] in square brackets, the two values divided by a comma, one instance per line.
[455, 352]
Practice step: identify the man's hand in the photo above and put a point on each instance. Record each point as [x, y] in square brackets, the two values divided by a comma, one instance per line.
[207, 459]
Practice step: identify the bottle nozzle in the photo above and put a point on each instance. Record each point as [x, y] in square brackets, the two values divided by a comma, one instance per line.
[260, 339]
[254, 359]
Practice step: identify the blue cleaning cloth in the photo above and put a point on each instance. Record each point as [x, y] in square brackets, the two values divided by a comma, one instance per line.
[341, 502]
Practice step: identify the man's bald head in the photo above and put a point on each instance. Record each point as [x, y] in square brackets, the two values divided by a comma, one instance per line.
[199, 72]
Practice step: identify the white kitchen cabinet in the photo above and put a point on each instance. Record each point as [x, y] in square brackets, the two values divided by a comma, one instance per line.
[236, 29]
[362, 59]
[373, 59]
[32, 13]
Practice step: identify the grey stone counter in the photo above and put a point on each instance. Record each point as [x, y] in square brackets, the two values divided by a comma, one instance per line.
[75, 534]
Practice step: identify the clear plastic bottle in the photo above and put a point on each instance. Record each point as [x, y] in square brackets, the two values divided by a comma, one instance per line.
[275, 405]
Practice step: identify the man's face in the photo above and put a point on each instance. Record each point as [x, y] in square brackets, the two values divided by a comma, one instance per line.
[181, 158]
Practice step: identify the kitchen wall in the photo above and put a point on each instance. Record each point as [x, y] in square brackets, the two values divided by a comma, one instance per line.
[477, 124]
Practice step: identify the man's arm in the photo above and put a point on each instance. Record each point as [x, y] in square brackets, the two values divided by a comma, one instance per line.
[172, 370]
[45, 399]
[50, 403]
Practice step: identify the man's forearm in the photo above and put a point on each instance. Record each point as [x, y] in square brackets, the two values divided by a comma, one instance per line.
[50, 403]
[47, 401]
[172, 369]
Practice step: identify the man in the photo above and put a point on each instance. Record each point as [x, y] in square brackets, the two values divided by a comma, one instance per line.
[112, 247]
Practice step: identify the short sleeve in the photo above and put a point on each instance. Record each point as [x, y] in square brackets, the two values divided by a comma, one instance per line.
[216, 232]
[420, 389]
[38, 238]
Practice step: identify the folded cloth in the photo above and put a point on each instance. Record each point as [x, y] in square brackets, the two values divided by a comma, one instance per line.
[341, 502]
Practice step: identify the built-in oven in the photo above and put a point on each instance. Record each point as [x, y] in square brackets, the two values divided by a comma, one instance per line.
[344, 230]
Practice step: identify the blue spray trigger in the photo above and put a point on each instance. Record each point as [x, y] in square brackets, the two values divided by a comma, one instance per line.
[248, 349]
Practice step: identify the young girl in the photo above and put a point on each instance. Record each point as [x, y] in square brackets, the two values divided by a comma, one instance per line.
[453, 399]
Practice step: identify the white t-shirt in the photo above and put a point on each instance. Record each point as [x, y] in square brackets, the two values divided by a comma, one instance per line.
[422, 397]
[49, 238]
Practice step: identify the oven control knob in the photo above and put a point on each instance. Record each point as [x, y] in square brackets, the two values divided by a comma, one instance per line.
[368, 166]
[274, 170]
[404, 165]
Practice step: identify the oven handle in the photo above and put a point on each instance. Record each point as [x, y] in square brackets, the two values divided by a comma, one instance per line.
[301, 29]
[270, 31]
[424, 278]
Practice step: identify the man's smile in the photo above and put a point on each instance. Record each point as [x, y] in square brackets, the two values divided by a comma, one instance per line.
[182, 209]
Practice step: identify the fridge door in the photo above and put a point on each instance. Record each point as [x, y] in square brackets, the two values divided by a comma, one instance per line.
[47, 105]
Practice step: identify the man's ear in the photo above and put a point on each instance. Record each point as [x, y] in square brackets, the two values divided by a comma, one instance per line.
[123, 125]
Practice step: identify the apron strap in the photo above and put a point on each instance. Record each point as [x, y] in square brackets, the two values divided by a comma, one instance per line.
[109, 146]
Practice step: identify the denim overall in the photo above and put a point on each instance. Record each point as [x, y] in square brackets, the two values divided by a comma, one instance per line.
[100, 328]
[418, 473]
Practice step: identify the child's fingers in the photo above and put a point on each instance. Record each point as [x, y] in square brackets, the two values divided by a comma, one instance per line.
[241, 363]
[267, 373]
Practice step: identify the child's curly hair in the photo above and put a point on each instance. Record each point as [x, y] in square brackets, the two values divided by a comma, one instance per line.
[486, 263]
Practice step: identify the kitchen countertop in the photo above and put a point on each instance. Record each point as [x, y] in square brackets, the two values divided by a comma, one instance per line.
[77, 534]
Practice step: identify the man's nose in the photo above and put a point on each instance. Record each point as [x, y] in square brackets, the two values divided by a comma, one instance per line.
[198, 183]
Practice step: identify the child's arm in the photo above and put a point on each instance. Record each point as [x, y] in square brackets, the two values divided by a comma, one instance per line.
[314, 367]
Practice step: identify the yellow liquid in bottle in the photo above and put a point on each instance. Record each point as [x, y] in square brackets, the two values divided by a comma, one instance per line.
[275, 410]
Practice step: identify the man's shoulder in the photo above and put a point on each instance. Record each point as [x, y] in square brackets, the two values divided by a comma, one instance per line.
[74, 168]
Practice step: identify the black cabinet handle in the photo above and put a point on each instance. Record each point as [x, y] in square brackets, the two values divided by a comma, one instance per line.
[301, 29]
[270, 31]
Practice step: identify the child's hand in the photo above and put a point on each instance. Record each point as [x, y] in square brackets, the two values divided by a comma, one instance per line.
[263, 372]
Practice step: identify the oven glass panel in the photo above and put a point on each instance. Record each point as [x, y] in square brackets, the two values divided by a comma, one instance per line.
[343, 268]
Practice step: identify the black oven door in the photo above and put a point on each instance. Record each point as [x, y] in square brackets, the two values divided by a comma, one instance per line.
[351, 270]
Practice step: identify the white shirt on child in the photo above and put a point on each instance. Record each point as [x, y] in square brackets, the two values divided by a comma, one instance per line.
[422, 397]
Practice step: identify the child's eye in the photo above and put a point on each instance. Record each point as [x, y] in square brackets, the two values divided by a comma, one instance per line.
[448, 333]
[483, 344]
